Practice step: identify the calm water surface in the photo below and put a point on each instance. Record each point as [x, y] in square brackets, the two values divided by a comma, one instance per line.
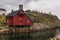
[27, 36]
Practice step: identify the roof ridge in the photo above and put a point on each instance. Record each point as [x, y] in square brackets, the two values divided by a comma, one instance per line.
[12, 13]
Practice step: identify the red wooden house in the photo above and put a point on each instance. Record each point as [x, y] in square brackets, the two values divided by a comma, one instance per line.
[18, 18]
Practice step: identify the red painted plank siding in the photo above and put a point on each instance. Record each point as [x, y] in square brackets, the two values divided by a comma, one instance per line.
[9, 21]
[17, 20]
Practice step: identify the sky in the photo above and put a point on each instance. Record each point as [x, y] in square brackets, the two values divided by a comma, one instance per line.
[52, 6]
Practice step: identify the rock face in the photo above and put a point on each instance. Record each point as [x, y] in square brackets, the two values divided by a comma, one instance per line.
[16, 30]
[39, 26]
[53, 38]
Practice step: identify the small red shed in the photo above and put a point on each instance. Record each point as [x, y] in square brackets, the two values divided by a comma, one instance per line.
[18, 18]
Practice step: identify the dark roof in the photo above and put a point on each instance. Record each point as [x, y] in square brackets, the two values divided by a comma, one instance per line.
[2, 9]
[12, 13]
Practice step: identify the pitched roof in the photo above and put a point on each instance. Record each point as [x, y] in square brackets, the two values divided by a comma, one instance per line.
[12, 13]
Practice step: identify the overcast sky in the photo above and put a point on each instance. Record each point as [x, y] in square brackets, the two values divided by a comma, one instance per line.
[52, 6]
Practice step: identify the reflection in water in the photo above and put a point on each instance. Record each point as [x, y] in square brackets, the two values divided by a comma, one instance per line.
[19, 37]
[26, 36]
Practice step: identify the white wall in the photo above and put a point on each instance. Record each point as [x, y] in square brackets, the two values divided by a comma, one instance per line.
[2, 12]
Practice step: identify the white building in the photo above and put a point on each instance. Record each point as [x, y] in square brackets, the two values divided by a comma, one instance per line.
[2, 11]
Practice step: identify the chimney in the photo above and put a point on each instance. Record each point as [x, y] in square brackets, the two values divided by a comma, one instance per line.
[20, 7]
[12, 11]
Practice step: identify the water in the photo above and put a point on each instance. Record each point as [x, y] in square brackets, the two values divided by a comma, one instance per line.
[27, 36]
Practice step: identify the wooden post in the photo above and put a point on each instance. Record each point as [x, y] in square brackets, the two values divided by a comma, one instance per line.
[10, 29]
[29, 28]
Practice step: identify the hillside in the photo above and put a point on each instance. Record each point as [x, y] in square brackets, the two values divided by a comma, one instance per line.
[37, 17]
[2, 20]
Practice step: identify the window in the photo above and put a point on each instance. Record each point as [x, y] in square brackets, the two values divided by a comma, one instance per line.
[7, 21]
[21, 15]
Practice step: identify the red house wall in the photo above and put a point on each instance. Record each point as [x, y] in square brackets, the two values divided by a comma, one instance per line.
[9, 21]
[18, 20]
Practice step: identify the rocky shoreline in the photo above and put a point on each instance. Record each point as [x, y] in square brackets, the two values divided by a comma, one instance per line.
[37, 27]
[6, 31]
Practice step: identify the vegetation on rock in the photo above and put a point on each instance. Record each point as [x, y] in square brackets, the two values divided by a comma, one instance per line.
[40, 17]
[37, 17]
[2, 20]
